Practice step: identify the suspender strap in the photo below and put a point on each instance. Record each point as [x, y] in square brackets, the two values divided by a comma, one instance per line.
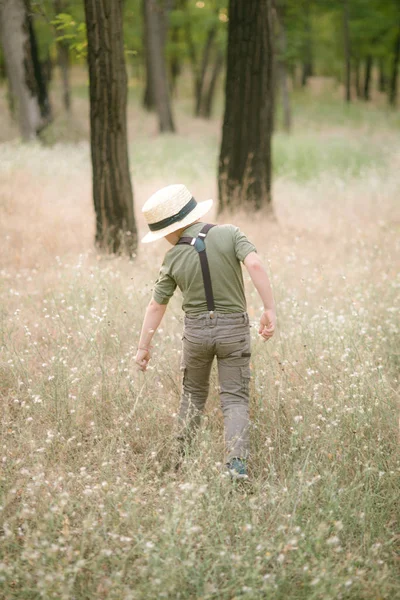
[200, 247]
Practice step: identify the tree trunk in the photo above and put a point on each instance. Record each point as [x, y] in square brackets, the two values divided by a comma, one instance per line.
[63, 60]
[208, 97]
[175, 64]
[308, 68]
[63, 63]
[156, 38]
[149, 101]
[204, 64]
[382, 76]
[347, 54]
[38, 77]
[112, 188]
[395, 72]
[192, 53]
[367, 78]
[22, 66]
[47, 69]
[245, 158]
[282, 74]
[3, 73]
[357, 81]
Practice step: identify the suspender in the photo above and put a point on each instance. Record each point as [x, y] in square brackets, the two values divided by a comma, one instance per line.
[200, 246]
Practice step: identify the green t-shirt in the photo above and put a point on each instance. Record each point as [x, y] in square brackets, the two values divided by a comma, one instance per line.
[226, 246]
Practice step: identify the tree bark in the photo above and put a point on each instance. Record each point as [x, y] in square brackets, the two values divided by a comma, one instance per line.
[3, 73]
[382, 76]
[156, 39]
[204, 64]
[63, 61]
[28, 94]
[175, 63]
[37, 76]
[394, 72]
[112, 188]
[149, 101]
[308, 68]
[245, 159]
[208, 98]
[347, 53]
[192, 52]
[367, 78]
[282, 74]
[357, 81]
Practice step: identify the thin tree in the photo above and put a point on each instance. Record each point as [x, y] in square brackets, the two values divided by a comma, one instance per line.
[382, 75]
[200, 87]
[280, 11]
[347, 52]
[27, 86]
[209, 92]
[244, 177]
[367, 77]
[308, 68]
[395, 71]
[357, 78]
[155, 35]
[175, 66]
[63, 59]
[112, 188]
[200, 58]
[149, 101]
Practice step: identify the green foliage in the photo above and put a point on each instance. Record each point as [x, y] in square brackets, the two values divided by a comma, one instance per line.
[71, 32]
[198, 17]
[133, 30]
[314, 31]
[373, 25]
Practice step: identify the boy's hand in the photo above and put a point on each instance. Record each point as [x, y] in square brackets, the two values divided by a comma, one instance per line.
[267, 324]
[142, 358]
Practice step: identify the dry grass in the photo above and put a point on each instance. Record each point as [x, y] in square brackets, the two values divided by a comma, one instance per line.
[90, 504]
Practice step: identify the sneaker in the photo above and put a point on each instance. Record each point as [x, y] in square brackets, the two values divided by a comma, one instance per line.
[237, 468]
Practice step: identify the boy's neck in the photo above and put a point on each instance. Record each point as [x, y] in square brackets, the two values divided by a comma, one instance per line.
[173, 237]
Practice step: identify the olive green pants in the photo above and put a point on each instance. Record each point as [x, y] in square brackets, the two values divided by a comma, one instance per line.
[226, 336]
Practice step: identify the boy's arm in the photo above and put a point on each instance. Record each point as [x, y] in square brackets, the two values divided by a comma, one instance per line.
[260, 279]
[151, 321]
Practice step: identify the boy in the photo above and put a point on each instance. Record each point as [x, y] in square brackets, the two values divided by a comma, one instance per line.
[205, 264]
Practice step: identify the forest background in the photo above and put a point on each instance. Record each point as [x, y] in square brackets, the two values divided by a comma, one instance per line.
[91, 506]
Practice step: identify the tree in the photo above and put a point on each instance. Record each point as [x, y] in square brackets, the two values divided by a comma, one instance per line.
[308, 68]
[347, 51]
[395, 70]
[280, 10]
[149, 101]
[63, 58]
[155, 41]
[204, 25]
[26, 82]
[112, 188]
[209, 92]
[244, 177]
[367, 77]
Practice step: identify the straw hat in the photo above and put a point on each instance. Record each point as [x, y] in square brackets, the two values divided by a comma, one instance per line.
[171, 208]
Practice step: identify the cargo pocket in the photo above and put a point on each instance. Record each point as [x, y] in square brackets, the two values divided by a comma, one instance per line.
[245, 375]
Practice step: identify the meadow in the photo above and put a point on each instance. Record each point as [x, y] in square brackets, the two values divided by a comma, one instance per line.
[91, 505]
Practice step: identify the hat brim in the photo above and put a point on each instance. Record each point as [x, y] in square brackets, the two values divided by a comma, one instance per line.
[199, 211]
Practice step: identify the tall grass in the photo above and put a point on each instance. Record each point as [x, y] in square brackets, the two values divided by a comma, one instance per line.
[91, 505]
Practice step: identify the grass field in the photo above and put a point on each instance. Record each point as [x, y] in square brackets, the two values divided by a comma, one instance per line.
[91, 506]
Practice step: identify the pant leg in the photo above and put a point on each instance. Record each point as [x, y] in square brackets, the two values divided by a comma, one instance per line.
[197, 358]
[233, 354]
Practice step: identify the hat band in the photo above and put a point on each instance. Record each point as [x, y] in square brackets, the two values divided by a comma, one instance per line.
[185, 210]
